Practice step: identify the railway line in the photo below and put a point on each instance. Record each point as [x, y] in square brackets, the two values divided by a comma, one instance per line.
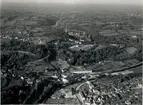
[83, 81]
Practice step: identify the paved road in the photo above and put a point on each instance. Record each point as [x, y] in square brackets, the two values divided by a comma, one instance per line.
[78, 89]
[24, 52]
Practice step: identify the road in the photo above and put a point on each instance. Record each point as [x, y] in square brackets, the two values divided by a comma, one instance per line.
[23, 52]
[79, 94]
[127, 68]
[132, 68]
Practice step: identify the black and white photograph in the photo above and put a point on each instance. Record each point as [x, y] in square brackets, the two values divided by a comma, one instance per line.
[71, 52]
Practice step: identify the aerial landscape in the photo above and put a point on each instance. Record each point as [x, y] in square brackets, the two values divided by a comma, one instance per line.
[66, 53]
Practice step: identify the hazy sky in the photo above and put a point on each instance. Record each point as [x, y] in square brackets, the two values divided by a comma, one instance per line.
[82, 1]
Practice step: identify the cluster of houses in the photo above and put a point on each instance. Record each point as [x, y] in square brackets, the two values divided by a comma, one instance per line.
[77, 34]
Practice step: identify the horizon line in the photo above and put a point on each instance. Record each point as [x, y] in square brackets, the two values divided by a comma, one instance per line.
[77, 3]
